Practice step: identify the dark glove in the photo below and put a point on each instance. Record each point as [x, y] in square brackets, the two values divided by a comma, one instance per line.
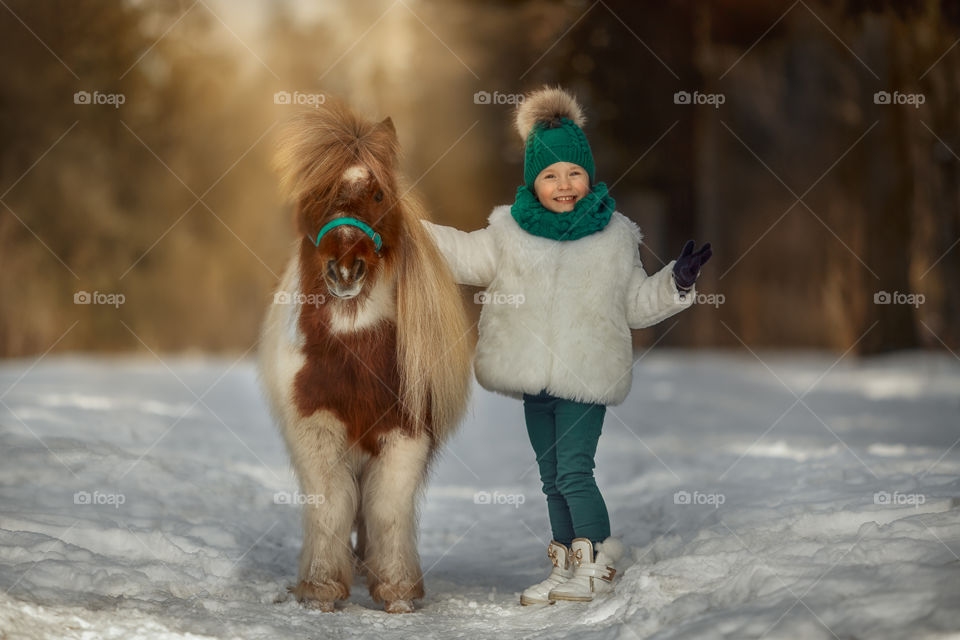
[687, 267]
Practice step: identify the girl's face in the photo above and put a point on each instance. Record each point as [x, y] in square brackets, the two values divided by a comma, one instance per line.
[561, 185]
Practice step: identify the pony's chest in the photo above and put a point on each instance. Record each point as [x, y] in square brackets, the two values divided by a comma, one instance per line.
[338, 368]
[356, 377]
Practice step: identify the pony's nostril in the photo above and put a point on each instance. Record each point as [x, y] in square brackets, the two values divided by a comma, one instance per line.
[359, 268]
[332, 271]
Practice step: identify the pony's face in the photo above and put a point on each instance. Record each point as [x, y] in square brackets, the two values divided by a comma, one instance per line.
[346, 256]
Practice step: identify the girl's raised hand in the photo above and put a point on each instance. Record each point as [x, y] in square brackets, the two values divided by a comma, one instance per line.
[687, 267]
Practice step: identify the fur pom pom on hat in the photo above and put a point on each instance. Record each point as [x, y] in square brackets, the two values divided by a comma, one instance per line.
[550, 121]
[545, 105]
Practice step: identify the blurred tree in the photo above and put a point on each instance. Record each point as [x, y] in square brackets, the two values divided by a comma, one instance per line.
[96, 198]
[112, 206]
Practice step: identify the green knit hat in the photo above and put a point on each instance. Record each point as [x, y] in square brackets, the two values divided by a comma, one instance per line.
[550, 121]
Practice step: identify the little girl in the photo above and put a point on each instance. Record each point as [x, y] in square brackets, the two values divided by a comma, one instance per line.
[564, 287]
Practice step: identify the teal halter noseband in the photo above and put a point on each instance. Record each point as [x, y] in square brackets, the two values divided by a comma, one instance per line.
[353, 222]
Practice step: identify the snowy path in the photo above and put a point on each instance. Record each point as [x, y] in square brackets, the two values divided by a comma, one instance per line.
[793, 536]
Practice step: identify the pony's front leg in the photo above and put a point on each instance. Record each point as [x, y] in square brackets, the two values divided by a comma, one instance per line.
[329, 495]
[390, 485]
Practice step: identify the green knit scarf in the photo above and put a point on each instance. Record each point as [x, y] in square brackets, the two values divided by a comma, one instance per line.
[589, 215]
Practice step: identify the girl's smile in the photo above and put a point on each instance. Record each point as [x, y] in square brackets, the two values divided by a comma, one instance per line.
[561, 185]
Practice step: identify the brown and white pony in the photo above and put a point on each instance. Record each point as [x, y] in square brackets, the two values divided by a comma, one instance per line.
[364, 355]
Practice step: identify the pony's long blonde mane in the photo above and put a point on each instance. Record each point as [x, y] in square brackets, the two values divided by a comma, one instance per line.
[435, 345]
[434, 348]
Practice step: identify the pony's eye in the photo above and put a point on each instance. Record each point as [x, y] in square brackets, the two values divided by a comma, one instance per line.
[378, 196]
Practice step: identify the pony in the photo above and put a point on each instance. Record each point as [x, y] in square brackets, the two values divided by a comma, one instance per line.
[364, 356]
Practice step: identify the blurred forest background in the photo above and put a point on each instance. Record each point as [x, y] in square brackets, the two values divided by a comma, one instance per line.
[816, 194]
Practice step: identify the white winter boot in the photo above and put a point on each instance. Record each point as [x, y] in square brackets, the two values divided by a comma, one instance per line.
[562, 570]
[591, 575]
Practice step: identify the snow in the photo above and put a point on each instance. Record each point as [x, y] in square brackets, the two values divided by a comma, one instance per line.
[773, 495]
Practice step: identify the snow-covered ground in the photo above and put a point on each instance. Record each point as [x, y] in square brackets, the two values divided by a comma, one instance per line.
[794, 497]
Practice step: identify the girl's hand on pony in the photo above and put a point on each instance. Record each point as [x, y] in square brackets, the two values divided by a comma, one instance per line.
[687, 267]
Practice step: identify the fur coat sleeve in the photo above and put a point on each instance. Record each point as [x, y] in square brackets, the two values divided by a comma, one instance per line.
[471, 256]
[651, 299]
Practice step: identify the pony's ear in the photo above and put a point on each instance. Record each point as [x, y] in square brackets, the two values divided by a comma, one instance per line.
[387, 124]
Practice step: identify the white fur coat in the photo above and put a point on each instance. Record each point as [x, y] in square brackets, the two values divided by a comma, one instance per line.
[557, 314]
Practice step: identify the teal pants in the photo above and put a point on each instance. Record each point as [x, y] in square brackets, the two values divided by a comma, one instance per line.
[564, 435]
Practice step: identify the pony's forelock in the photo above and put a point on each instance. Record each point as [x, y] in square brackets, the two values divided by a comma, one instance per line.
[316, 147]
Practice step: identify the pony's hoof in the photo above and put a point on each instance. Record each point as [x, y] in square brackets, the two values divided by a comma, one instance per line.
[325, 606]
[398, 606]
[319, 596]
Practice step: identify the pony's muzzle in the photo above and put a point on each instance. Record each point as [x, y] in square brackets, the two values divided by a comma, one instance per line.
[343, 280]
